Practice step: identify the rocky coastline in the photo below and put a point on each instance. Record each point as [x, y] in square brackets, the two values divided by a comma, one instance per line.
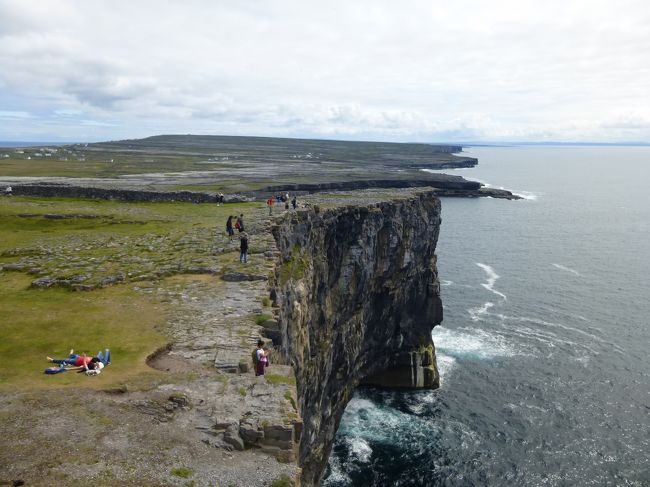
[443, 184]
[345, 290]
[352, 290]
[358, 295]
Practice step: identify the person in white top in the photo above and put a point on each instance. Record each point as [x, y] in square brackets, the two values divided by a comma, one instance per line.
[262, 356]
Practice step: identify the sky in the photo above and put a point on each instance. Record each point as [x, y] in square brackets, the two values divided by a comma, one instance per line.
[413, 70]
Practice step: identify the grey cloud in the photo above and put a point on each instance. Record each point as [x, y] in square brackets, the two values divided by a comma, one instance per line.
[427, 69]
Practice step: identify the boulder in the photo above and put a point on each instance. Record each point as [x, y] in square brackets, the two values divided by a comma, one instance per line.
[250, 431]
[278, 435]
[271, 324]
[43, 282]
[273, 335]
[232, 438]
[180, 401]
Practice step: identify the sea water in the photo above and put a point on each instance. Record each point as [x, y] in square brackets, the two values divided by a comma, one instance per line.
[544, 348]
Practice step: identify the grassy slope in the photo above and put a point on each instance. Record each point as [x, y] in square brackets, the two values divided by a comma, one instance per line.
[36, 323]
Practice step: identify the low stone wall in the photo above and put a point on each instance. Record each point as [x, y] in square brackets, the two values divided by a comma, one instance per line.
[67, 191]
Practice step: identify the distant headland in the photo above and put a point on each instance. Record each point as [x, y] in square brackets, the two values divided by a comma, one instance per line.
[240, 167]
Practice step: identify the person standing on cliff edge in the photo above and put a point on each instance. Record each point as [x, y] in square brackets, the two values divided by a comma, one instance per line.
[243, 248]
[261, 358]
[269, 203]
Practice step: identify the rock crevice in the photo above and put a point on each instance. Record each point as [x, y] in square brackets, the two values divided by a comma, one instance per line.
[358, 294]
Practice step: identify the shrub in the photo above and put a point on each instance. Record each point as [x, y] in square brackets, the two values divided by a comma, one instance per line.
[276, 379]
[259, 319]
[181, 472]
[283, 481]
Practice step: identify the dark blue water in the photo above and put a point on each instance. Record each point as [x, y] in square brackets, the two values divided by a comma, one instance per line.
[544, 348]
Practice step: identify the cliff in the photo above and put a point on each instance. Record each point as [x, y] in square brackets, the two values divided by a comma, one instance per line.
[442, 181]
[358, 294]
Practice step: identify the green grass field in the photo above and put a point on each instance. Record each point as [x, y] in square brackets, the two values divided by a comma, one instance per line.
[128, 239]
[48, 322]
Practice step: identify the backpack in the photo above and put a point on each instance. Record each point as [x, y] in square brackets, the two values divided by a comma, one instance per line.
[254, 355]
[237, 225]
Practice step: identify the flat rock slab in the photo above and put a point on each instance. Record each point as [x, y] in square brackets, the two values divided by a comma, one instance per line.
[239, 277]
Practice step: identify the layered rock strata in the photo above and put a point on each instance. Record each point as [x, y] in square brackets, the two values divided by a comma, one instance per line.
[445, 185]
[358, 295]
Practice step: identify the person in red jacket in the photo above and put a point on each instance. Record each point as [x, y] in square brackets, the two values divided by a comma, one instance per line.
[73, 359]
[84, 361]
[81, 363]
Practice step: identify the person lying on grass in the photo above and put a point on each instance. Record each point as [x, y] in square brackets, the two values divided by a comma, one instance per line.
[81, 363]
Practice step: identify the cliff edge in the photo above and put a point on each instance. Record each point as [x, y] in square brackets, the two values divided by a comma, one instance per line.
[358, 295]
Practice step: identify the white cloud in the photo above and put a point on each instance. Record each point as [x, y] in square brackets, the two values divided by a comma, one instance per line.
[419, 70]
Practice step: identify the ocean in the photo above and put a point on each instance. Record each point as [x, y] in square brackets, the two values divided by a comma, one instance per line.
[543, 351]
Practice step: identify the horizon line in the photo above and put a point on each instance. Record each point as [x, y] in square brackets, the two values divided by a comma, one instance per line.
[7, 143]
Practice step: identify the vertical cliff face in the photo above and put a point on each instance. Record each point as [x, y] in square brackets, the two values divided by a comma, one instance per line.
[358, 294]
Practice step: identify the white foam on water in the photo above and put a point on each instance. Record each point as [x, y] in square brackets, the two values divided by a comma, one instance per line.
[444, 283]
[425, 400]
[492, 277]
[360, 449]
[360, 413]
[561, 326]
[567, 269]
[548, 340]
[551, 339]
[357, 404]
[479, 311]
[527, 195]
[445, 364]
[337, 475]
[471, 343]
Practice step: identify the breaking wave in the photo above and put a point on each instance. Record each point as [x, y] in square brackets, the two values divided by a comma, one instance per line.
[492, 278]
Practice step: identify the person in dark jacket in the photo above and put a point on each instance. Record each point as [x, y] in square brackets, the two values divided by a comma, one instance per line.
[229, 228]
[243, 248]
